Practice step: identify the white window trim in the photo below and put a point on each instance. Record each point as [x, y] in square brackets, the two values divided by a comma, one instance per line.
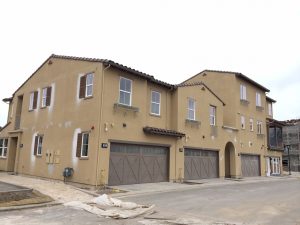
[243, 92]
[130, 99]
[3, 147]
[259, 127]
[258, 99]
[39, 144]
[212, 116]
[88, 85]
[191, 109]
[44, 97]
[270, 109]
[243, 122]
[31, 100]
[156, 103]
[251, 122]
[81, 150]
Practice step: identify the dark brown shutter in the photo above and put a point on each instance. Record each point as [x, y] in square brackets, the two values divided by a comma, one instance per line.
[82, 87]
[35, 96]
[79, 140]
[35, 144]
[48, 99]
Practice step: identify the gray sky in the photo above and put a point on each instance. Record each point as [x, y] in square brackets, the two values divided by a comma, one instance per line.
[171, 40]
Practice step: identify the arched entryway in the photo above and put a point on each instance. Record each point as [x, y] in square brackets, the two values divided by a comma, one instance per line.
[229, 160]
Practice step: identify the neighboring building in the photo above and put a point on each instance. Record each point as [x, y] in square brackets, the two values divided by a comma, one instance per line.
[115, 125]
[291, 137]
[246, 115]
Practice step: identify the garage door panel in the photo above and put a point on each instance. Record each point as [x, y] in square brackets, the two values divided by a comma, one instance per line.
[250, 165]
[201, 164]
[141, 164]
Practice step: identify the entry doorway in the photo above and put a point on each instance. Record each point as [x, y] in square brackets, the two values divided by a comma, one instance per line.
[229, 160]
[12, 150]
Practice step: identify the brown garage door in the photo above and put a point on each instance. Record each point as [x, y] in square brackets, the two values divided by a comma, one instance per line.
[134, 164]
[250, 165]
[200, 164]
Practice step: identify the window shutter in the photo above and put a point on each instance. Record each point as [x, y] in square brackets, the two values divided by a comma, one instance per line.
[79, 140]
[35, 96]
[48, 99]
[35, 145]
[82, 87]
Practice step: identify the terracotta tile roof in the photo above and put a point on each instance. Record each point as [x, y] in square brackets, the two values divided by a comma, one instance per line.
[160, 131]
[118, 66]
[291, 122]
[275, 122]
[200, 84]
[237, 74]
[270, 99]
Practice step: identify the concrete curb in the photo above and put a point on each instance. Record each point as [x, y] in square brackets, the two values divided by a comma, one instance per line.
[198, 186]
[32, 206]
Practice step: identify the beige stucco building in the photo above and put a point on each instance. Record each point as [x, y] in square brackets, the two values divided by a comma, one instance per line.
[114, 125]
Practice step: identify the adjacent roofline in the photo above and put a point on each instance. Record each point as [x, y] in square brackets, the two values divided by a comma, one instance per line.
[237, 74]
[160, 131]
[270, 99]
[203, 84]
[105, 62]
[275, 122]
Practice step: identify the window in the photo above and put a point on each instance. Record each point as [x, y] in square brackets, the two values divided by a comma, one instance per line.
[33, 100]
[243, 92]
[82, 145]
[258, 99]
[243, 122]
[46, 96]
[270, 110]
[259, 127]
[3, 147]
[275, 137]
[125, 91]
[155, 102]
[251, 125]
[38, 144]
[86, 85]
[212, 115]
[191, 109]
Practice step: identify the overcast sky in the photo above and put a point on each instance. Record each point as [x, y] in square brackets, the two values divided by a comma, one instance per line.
[171, 40]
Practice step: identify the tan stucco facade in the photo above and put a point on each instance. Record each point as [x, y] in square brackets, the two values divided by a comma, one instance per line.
[106, 121]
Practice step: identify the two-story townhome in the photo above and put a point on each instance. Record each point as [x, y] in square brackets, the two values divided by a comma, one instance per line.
[112, 125]
[244, 122]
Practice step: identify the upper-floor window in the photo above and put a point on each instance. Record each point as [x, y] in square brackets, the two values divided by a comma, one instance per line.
[38, 144]
[3, 147]
[191, 109]
[125, 91]
[251, 124]
[259, 127]
[275, 137]
[270, 109]
[82, 144]
[258, 99]
[212, 115]
[243, 125]
[243, 92]
[46, 96]
[155, 102]
[33, 100]
[86, 85]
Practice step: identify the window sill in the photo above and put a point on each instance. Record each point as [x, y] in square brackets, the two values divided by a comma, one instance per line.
[3, 157]
[244, 101]
[127, 107]
[193, 122]
[259, 108]
[83, 158]
[155, 115]
[44, 107]
[260, 135]
[87, 97]
[38, 156]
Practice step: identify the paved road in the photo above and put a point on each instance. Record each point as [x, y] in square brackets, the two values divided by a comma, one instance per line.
[276, 202]
[253, 203]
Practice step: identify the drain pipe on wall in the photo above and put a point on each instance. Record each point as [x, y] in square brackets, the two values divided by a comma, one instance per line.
[100, 121]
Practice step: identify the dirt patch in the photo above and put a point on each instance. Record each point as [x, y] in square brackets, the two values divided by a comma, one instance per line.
[34, 198]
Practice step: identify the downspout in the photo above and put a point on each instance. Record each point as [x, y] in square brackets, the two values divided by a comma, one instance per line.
[100, 121]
